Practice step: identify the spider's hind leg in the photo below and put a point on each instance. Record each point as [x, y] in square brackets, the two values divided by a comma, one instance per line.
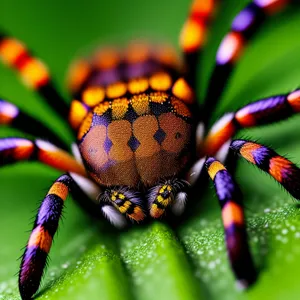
[244, 26]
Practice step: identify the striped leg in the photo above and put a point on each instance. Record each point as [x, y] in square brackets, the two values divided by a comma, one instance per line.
[230, 200]
[243, 27]
[12, 116]
[13, 150]
[33, 72]
[261, 112]
[45, 226]
[266, 159]
[193, 35]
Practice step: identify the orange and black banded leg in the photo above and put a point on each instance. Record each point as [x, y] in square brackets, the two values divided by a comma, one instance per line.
[32, 71]
[10, 115]
[243, 28]
[230, 200]
[281, 169]
[193, 35]
[261, 112]
[45, 226]
[13, 150]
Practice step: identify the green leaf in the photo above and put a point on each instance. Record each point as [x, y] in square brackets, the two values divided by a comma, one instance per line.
[91, 260]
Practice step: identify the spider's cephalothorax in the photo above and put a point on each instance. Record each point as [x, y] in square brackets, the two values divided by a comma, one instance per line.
[140, 141]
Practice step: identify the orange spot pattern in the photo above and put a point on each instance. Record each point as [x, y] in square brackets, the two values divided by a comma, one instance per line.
[193, 34]
[59, 189]
[277, 165]
[77, 114]
[247, 151]
[160, 81]
[40, 238]
[232, 214]
[33, 72]
[182, 90]
[93, 95]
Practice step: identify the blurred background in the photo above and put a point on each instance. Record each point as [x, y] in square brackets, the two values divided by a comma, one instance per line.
[93, 261]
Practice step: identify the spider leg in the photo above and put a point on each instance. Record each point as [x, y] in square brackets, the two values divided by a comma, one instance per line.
[243, 28]
[32, 71]
[45, 226]
[12, 116]
[15, 149]
[266, 159]
[230, 200]
[261, 112]
[193, 35]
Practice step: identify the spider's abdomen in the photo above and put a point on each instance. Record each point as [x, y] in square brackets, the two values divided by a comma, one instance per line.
[137, 128]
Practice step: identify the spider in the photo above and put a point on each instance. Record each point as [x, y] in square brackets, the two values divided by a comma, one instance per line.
[142, 139]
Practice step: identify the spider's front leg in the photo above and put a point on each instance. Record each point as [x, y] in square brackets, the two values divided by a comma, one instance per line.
[11, 115]
[261, 112]
[281, 169]
[40, 241]
[230, 199]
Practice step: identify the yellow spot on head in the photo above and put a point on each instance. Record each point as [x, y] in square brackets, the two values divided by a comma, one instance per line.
[119, 108]
[158, 97]
[138, 85]
[101, 108]
[180, 108]
[93, 95]
[214, 168]
[183, 91]
[77, 113]
[85, 125]
[140, 103]
[160, 81]
[116, 90]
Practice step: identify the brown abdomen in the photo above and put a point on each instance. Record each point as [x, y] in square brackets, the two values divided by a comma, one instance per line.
[147, 143]
[133, 118]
